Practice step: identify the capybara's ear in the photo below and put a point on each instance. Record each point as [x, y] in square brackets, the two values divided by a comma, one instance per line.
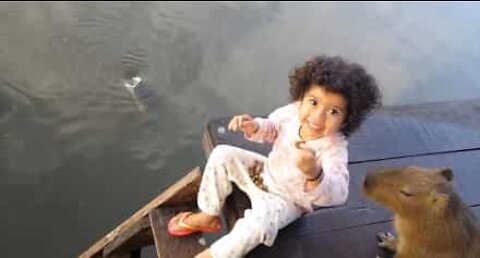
[447, 173]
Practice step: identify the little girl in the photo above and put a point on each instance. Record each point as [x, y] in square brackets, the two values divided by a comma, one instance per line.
[307, 166]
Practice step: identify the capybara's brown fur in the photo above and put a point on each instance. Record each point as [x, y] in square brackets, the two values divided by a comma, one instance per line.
[430, 218]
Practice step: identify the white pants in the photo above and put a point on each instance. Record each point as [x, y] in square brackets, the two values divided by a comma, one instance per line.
[260, 224]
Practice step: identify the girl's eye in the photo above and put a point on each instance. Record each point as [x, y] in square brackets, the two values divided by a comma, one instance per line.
[313, 102]
[405, 193]
[334, 112]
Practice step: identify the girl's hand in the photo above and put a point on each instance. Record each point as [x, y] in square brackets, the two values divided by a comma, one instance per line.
[245, 123]
[306, 161]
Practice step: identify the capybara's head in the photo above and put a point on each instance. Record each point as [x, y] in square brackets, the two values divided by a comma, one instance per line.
[410, 190]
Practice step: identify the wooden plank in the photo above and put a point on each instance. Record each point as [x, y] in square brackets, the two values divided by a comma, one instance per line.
[174, 195]
[217, 132]
[136, 237]
[349, 242]
[172, 247]
[463, 113]
[207, 142]
[334, 219]
[465, 166]
[410, 137]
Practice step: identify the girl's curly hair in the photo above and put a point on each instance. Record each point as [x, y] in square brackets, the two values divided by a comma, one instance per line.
[348, 79]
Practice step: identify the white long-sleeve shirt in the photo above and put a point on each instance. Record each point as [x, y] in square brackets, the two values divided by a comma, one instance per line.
[283, 177]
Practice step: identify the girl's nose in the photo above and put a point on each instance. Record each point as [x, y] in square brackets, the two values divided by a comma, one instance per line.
[318, 115]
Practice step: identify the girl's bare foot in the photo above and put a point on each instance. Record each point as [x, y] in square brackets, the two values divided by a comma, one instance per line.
[199, 220]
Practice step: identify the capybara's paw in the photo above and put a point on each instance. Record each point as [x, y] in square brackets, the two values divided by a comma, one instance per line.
[387, 241]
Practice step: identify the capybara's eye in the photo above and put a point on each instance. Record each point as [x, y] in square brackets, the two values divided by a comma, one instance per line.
[405, 193]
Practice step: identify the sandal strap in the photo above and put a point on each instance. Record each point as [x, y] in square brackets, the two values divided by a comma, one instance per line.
[182, 224]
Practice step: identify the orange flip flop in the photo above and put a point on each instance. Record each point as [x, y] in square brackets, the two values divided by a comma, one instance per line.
[177, 226]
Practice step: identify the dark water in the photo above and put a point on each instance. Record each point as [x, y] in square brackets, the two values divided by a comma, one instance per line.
[80, 152]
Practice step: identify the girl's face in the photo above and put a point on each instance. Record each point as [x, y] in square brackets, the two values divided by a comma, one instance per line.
[322, 113]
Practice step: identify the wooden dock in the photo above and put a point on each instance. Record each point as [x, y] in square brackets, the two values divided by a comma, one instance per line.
[443, 134]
